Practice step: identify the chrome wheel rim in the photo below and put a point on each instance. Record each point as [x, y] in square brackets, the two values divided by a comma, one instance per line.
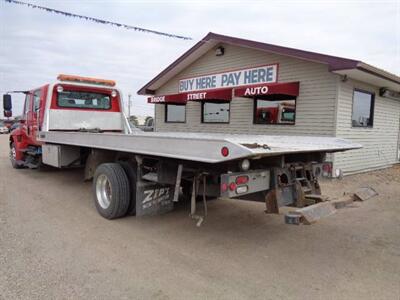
[13, 153]
[103, 191]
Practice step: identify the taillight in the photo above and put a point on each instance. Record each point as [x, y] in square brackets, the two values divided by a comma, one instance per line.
[242, 179]
[327, 168]
[232, 186]
[225, 151]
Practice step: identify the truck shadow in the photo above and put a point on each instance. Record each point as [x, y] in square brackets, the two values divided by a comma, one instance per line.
[227, 219]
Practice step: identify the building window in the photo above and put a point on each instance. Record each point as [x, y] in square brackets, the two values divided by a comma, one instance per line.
[215, 112]
[274, 111]
[363, 109]
[175, 113]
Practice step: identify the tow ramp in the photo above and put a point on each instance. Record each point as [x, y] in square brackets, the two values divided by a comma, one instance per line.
[324, 207]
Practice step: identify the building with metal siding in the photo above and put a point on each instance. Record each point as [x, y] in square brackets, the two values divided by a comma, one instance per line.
[323, 106]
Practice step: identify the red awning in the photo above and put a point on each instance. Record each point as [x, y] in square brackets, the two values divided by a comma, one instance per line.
[213, 95]
[183, 98]
[289, 88]
[173, 99]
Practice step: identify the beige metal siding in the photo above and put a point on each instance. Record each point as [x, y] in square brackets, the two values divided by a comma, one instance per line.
[315, 113]
[379, 142]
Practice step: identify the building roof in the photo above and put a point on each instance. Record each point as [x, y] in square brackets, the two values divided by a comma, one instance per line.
[344, 66]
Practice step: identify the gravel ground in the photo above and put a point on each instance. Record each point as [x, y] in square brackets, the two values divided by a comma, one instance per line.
[54, 245]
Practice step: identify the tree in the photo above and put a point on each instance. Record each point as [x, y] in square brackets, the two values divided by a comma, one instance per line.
[134, 120]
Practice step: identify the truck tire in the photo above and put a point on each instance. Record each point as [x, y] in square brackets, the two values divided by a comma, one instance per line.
[131, 172]
[13, 159]
[111, 191]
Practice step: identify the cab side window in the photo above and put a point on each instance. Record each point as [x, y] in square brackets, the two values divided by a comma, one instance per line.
[27, 107]
[36, 100]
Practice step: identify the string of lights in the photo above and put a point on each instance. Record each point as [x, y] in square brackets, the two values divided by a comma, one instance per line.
[99, 21]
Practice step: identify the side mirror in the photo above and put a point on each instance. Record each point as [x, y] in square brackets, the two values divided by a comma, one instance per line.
[7, 105]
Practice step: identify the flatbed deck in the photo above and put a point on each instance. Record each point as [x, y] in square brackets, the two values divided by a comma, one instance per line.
[200, 147]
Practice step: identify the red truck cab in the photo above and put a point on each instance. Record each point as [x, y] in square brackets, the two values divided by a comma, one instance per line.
[73, 103]
[276, 113]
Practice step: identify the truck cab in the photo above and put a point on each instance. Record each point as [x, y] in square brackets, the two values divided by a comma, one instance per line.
[72, 103]
[280, 112]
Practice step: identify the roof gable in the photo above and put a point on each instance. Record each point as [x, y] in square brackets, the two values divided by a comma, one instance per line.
[335, 64]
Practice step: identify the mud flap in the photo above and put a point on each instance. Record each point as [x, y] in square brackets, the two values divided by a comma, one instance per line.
[153, 198]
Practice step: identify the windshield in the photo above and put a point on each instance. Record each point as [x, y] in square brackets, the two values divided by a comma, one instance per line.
[89, 100]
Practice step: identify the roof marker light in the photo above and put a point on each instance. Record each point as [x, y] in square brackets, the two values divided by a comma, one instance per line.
[74, 78]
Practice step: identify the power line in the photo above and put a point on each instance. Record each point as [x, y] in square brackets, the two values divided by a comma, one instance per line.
[99, 21]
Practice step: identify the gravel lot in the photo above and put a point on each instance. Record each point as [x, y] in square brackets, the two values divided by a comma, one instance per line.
[54, 245]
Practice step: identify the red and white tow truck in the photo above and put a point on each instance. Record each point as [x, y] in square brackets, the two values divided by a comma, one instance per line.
[79, 122]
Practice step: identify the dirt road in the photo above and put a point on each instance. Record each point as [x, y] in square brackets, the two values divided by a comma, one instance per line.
[54, 245]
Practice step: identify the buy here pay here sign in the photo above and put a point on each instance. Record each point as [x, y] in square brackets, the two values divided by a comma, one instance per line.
[255, 75]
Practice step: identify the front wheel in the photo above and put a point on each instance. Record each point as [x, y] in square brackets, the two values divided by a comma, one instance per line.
[13, 157]
[111, 191]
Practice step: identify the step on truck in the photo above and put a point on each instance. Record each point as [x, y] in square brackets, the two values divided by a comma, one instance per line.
[79, 122]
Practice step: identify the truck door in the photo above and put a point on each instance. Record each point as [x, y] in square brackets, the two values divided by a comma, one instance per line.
[26, 116]
[37, 95]
[30, 116]
[33, 117]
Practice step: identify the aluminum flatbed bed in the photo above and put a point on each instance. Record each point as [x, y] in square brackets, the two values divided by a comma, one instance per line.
[200, 147]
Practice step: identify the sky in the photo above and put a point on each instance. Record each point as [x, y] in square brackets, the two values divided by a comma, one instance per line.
[36, 46]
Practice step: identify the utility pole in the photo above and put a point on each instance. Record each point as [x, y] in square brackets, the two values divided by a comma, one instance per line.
[129, 105]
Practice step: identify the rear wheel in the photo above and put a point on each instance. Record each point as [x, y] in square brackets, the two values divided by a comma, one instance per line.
[111, 191]
[131, 172]
[13, 157]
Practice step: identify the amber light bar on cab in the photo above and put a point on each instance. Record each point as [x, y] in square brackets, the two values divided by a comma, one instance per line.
[74, 78]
